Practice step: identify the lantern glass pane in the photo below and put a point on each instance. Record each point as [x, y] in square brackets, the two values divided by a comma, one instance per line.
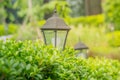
[55, 38]
[61, 36]
[82, 53]
[49, 37]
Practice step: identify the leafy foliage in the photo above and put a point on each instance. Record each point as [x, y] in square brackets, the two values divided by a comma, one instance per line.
[2, 32]
[114, 38]
[78, 7]
[111, 12]
[95, 20]
[12, 28]
[62, 8]
[21, 10]
[34, 61]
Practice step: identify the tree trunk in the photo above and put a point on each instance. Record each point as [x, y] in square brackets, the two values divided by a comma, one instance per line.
[93, 7]
[30, 10]
[29, 14]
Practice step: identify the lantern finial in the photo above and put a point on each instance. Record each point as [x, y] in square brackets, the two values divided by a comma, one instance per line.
[55, 9]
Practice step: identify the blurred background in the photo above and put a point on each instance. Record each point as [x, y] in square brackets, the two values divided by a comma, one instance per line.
[93, 22]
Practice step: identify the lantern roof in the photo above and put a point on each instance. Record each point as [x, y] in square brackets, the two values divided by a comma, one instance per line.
[55, 23]
[80, 46]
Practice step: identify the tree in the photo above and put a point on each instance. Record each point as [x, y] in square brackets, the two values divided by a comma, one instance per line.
[111, 11]
[78, 7]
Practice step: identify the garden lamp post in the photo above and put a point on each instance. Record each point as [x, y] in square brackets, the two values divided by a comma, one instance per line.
[82, 49]
[55, 31]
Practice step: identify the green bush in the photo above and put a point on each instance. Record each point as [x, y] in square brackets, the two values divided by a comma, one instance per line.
[34, 61]
[114, 38]
[111, 12]
[41, 23]
[2, 32]
[94, 20]
[12, 28]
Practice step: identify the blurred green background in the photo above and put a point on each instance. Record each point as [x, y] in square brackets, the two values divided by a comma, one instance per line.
[94, 22]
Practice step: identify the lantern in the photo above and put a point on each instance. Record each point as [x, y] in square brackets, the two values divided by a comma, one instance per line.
[82, 49]
[55, 31]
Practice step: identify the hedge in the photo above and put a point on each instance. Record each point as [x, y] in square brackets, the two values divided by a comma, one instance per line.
[114, 38]
[31, 60]
[12, 28]
[95, 20]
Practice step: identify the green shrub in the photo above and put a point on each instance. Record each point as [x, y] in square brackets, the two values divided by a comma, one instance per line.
[34, 61]
[94, 20]
[114, 39]
[2, 32]
[111, 12]
[12, 28]
[41, 23]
